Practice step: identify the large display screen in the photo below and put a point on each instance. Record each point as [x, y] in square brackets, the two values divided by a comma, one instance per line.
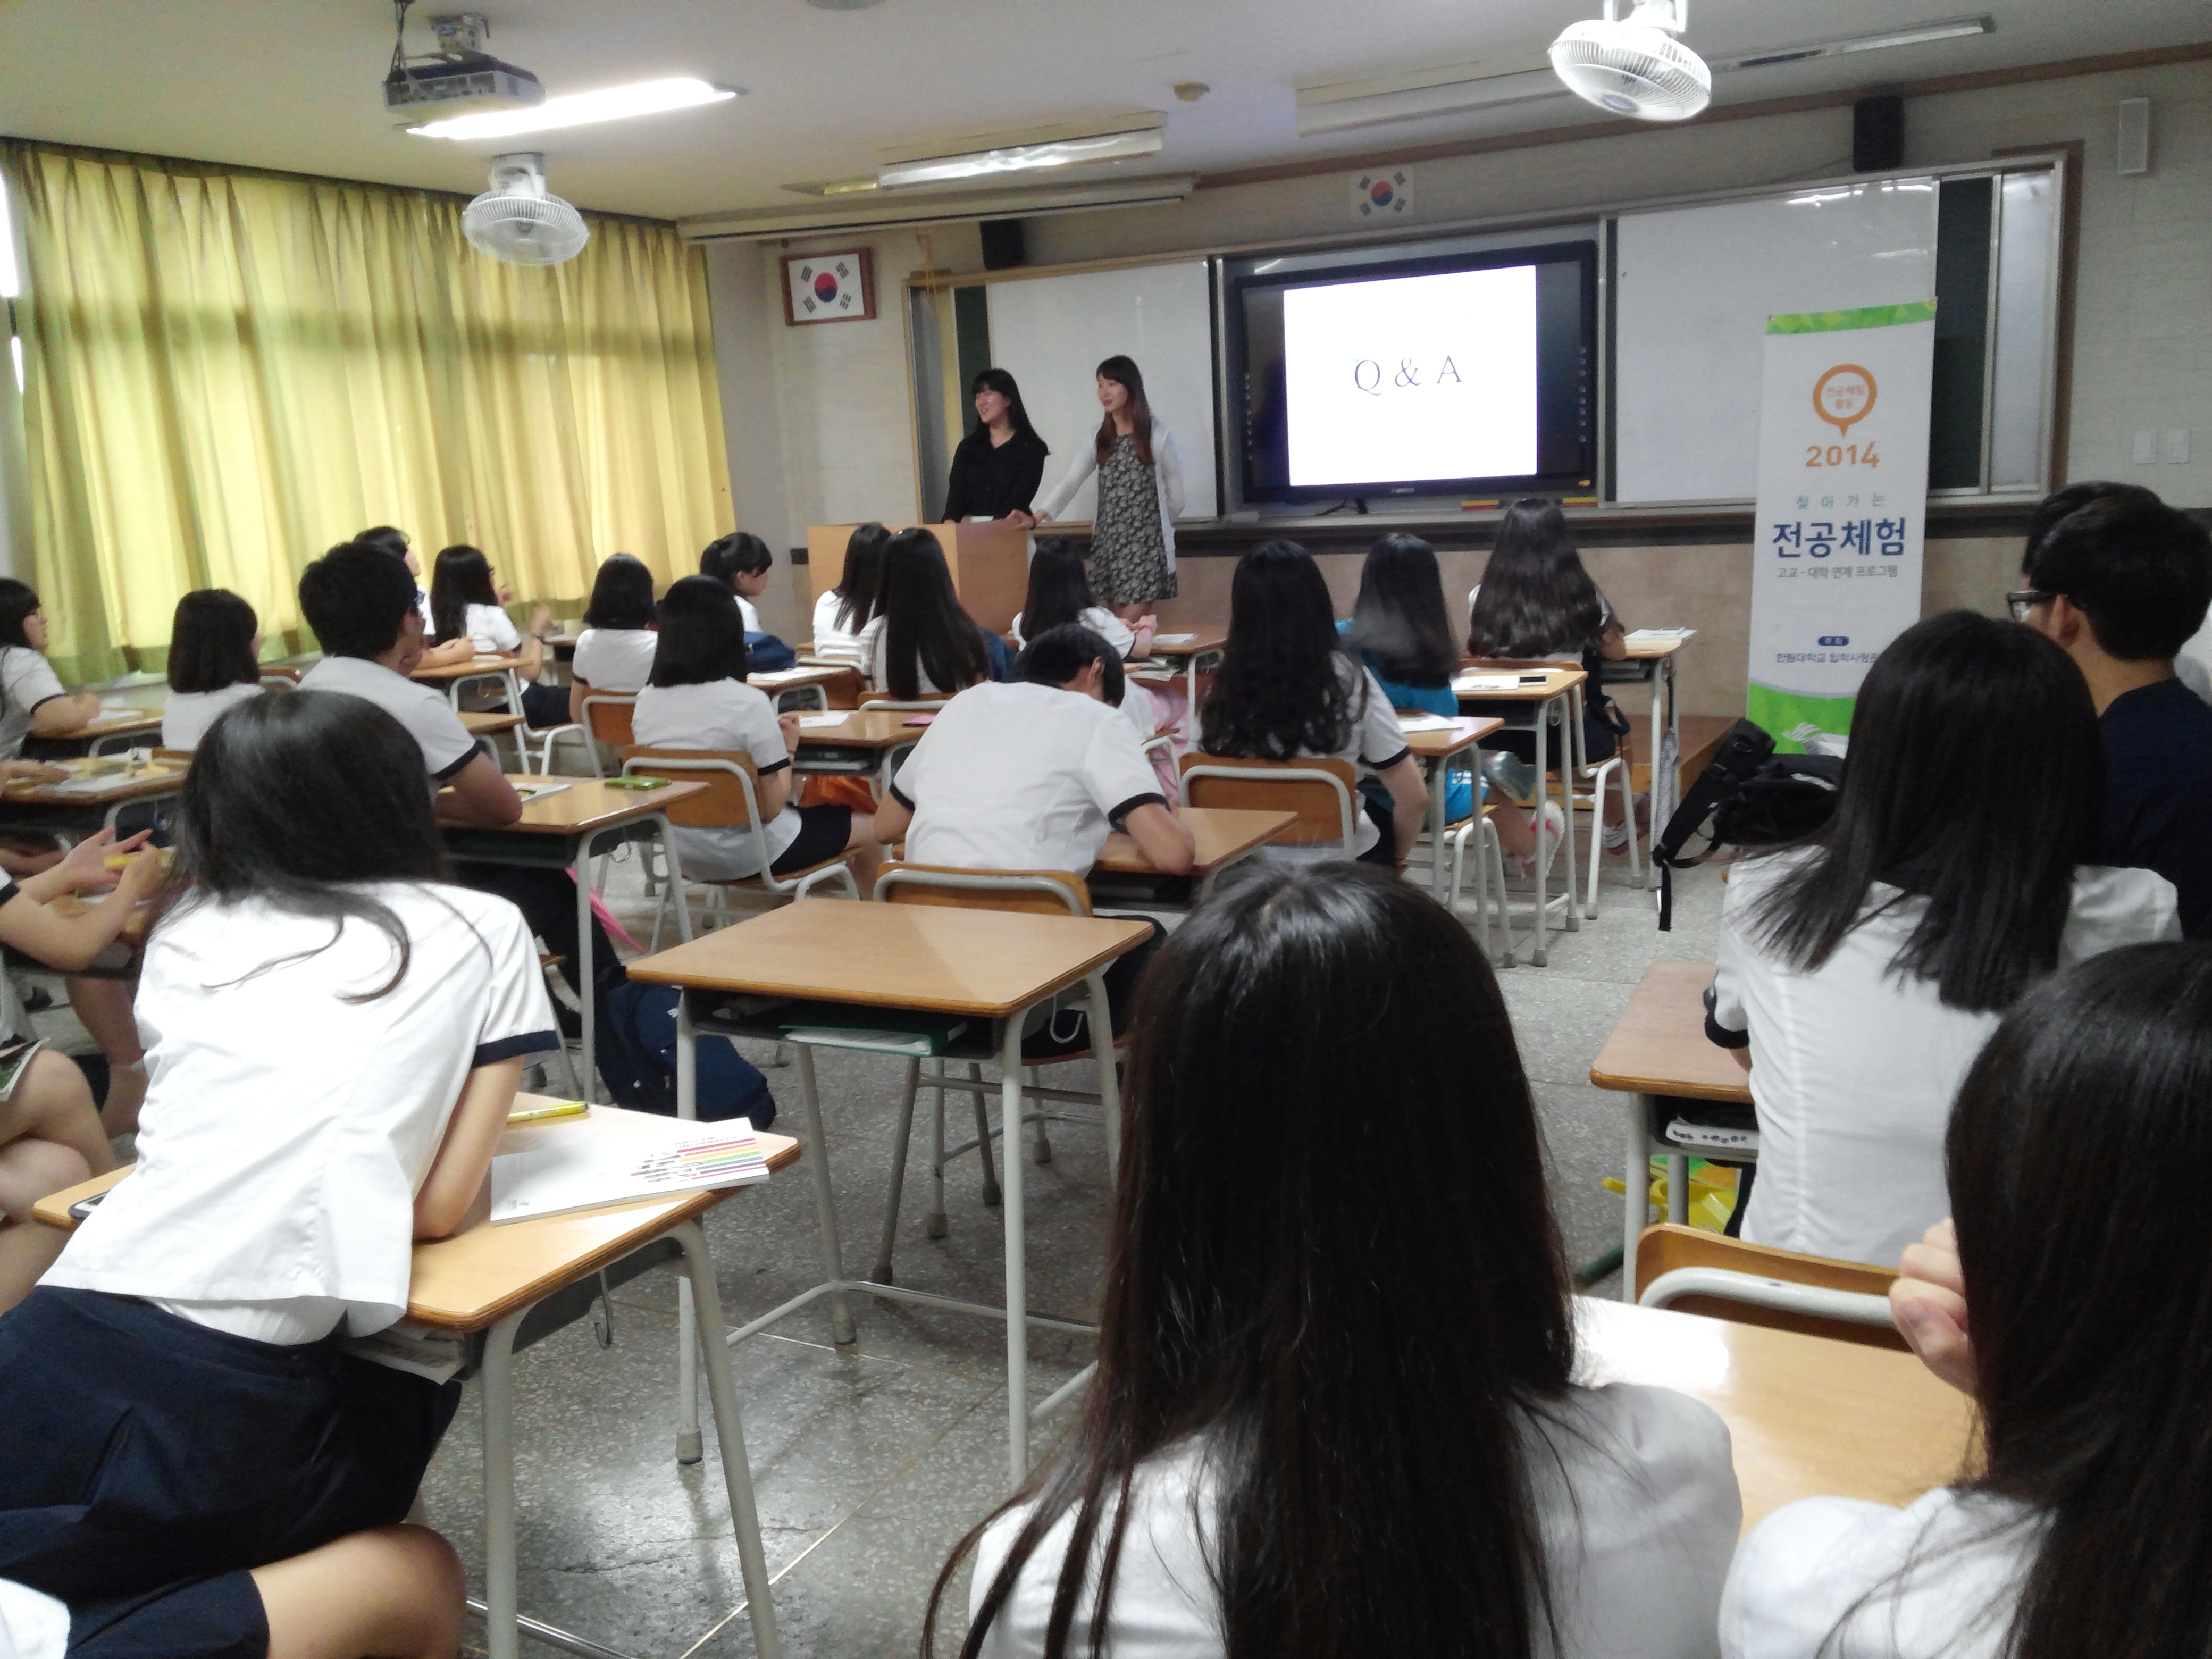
[1449, 373]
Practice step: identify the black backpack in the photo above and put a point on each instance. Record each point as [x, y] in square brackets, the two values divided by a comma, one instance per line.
[637, 1043]
[1749, 797]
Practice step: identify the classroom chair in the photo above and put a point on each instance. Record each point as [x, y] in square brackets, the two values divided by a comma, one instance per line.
[732, 802]
[607, 716]
[1035, 892]
[1324, 794]
[1694, 1271]
[1489, 877]
[1613, 771]
[848, 688]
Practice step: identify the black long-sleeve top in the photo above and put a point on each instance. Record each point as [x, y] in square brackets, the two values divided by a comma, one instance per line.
[991, 480]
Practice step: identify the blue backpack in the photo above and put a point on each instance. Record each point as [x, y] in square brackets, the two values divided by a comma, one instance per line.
[637, 1043]
[766, 654]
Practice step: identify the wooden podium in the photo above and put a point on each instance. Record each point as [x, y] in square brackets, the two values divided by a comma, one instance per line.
[990, 565]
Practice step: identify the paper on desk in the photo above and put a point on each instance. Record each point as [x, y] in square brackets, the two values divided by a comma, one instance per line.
[1425, 723]
[782, 675]
[811, 722]
[1661, 635]
[616, 1158]
[1487, 683]
[538, 791]
[109, 785]
[1173, 639]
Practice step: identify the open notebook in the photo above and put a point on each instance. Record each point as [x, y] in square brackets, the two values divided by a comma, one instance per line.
[609, 1156]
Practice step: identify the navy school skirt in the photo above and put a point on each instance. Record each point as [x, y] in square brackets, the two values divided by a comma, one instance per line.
[147, 1463]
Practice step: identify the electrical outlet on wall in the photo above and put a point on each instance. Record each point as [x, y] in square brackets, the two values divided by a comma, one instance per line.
[2177, 446]
[2145, 448]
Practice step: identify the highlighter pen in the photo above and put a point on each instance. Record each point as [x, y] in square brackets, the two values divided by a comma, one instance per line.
[530, 1114]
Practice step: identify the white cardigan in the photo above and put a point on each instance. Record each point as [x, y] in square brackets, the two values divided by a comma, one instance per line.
[1167, 476]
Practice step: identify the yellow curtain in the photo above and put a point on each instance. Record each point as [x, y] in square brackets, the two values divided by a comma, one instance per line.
[229, 371]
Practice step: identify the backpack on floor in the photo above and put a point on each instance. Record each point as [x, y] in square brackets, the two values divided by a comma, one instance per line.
[1749, 796]
[636, 1053]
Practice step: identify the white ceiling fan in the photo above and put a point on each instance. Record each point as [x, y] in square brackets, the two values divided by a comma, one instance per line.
[1635, 66]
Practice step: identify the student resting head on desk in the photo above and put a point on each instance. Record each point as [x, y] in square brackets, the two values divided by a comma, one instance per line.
[360, 602]
[215, 662]
[2071, 1296]
[614, 653]
[2121, 583]
[922, 642]
[1335, 1412]
[1862, 969]
[1285, 691]
[698, 699]
[842, 611]
[337, 1033]
[1035, 774]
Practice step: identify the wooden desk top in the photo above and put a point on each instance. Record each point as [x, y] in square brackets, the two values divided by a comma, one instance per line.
[1558, 679]
[478, 725]
[584, 807]
[159, 778]
[1660, 1047]
[986, 963]
[473, 1280]
[1652, 650]
[1808, 1417]
[1466, 730]
[1209, 636]
[790, 679]
[864, 728]
[1223, 835]
[140, 718]
[463, 670]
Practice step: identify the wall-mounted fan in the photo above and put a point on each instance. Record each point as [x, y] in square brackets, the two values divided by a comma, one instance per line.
[1635, 66]
[516, 220]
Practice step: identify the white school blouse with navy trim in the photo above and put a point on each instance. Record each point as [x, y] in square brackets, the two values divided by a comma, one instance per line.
[719, 715]
[286, 1130]
[492, 630]
[1020, 776]
[422, 709]
[1375, 743]
[615, 659]
[187, 715]
[27, 679]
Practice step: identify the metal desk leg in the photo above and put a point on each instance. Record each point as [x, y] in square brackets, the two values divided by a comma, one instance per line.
[1643, 1112]
[689, 1449]
[1439, 788]
[825, 1207]
[1017, 1288]
[503, 1639]
[1540, 956]
[729, 1433]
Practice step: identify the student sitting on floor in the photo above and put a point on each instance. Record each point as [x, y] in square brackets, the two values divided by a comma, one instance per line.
[698, 699]
[189, 1459]
[922, 642]
[51, 1137]
[1400, 631]
[614, 653]
[465, 605]
[215, 661]
[2071, 1296]
[400, 546]
[33, 701]
[361, 604]
[843, 611]
[2122, 584]
[1862, 969]
[1285, 691]
[741, 564]
[1335, 1411]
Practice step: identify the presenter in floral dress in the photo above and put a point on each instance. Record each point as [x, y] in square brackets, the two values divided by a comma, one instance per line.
[1139, 469]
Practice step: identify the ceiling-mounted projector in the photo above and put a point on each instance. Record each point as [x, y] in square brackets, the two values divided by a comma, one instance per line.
[1635, 67]
[460, 77]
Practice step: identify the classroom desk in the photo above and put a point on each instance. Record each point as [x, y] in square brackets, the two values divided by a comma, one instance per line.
[125, 722]
[490, 1285]
[1201, 650]
[1651, 661]
[1659, 1052]
[1224, 836]
[1436, 750]
[1556, 686]
[42, 809]
[986, 967]
[866, 742]
[454, 675]
[1808, 1417]
[781, 682]
[487, 725]
[560, 831]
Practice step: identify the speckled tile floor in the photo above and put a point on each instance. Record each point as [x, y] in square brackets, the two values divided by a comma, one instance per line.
[871, 1462]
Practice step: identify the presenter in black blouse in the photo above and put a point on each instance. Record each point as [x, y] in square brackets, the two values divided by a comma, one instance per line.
[998, 465]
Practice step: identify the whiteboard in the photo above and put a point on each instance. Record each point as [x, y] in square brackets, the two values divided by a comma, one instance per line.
[1695, 287]
[1051, 332]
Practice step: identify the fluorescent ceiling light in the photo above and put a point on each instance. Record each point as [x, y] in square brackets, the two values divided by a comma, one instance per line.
[579, 109]
[887, 211]
[1019, 158]
[836, 186]
[1912, 34]
[1417, 95]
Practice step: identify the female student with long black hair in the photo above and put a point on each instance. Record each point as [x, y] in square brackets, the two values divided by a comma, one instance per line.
[1285, 691]
[466, 604]
[1399, 629]
[337, 1031]
[215, 644]
[843, 611]
[2071, 1295]
[922, 642]
[997, 467]
[614, 653]
[1536, 604]
[33, 702]
[1269, 1461]
[1862, 969]
[1139, 492]
[698, 699]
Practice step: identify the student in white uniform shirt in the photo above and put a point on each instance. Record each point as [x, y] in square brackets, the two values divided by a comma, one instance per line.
[1304, 1474]
[842, 611]
[2073, 1300]
[1060, 591]
[33, 703]
[1286, 690]
[337, 1034]
[614, 653]
[465, 603]
[1862, 971]
[698, 699]
[740, 562]
[922, 642]
[214, 663]
[359, 602]
[401, 546]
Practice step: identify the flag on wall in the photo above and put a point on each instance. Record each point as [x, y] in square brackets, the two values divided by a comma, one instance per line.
[1382, 196]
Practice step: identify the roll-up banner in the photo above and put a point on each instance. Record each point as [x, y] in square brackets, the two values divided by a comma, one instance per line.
[1843, 504]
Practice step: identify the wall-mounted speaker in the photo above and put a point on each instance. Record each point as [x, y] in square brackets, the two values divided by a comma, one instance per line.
[1878, 134]
[2134, 135]
[1002, 243]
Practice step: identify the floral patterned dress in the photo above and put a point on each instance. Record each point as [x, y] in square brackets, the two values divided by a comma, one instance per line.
[1128, 551]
